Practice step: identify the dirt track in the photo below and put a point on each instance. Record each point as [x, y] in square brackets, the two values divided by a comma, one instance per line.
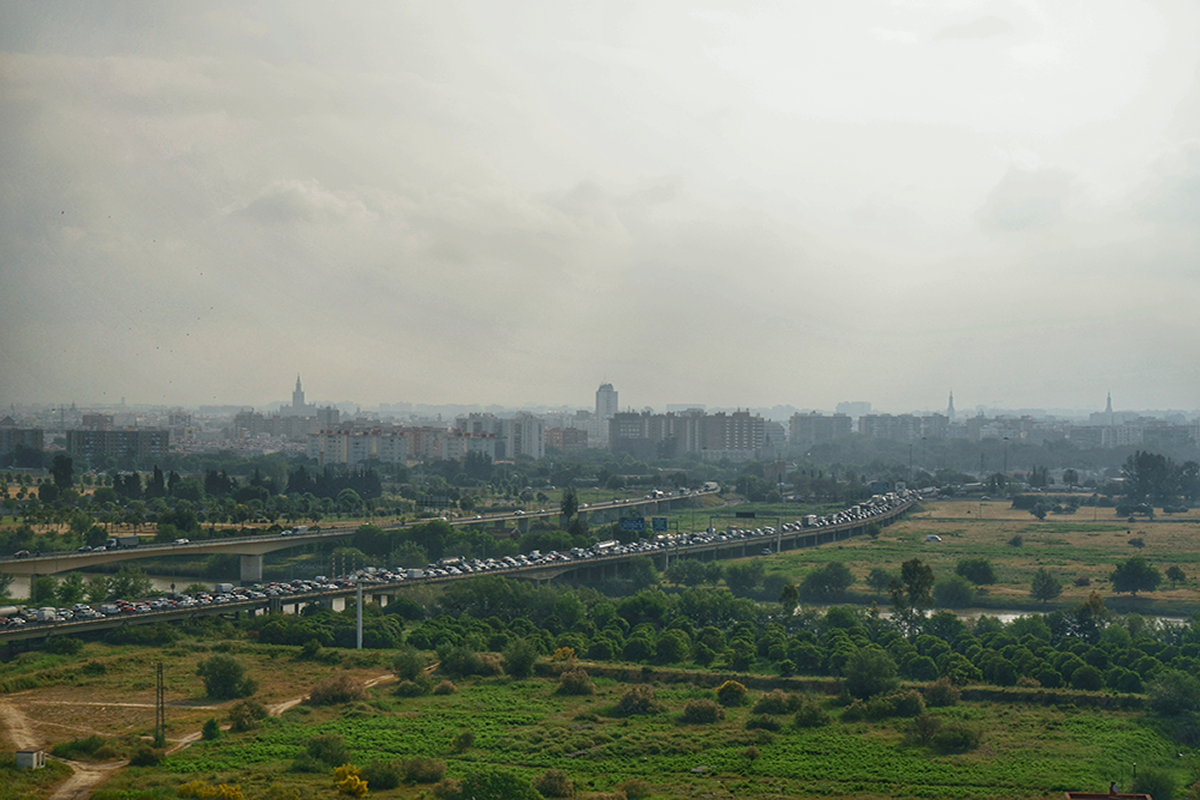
[87, 777]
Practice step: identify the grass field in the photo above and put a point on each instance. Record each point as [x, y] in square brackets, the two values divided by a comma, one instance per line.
[524, 727]
[1073, 547]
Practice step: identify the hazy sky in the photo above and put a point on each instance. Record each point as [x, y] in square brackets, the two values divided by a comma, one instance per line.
[740, 203]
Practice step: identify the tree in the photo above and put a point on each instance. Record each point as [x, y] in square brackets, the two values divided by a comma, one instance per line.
[870, 671]
[978, 571]
[953, 592]
[912, 593]
[880, 579]
[519, 658]
[1175, 574]
[1070, 477]
[1045, 586]
[129, 582]
[569, 506]
[789, 597]
[1135, 575]
[62, 469]
[224, 677]
[72, 589]
[744, 577]
[826, 584]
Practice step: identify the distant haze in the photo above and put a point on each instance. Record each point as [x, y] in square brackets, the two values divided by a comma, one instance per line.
[737, 204]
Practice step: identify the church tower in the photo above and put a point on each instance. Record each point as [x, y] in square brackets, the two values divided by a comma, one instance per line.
[950, 409]
[298, 395]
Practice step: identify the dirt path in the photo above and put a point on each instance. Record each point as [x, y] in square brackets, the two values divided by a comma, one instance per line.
[17, 728]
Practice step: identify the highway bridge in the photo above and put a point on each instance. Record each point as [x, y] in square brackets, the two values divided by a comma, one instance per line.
[253, 548]
[593, 567]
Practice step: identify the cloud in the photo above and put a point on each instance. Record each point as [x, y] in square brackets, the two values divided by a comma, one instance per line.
[982, 28]
[1026, 199]
[297, 201]
[1171, 194]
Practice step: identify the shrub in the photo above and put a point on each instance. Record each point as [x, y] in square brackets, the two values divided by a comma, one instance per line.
[635, 789]
[1016, 541]
[763, 723]
[494, 784]
[459, 662]
[908, 703]
[519, 658]
[63, 646]
[145, 757]
[246, 714]
[1158, 783]
[575, 682]
[638, 700]
[224, 677]
[956, 737]
[445, 687]
[329, 749]
[751, 753]
[731, 693]
[211, 730]
[463, 742]
[554, 783]
[381, 775]
[777, 702]
[702, 712]
[409, 665]
[811, 714]
[335, 690]
[94, 668]
[1083, 581]
[924, 727]
[76, 749]
[941, 693]
[348, 781]
[409, 689]
[448, 789]
[423, 770]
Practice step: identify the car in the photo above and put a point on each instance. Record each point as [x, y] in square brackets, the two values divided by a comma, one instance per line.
[183, 541]
[933, 538]
[22, 554]
[518, 512]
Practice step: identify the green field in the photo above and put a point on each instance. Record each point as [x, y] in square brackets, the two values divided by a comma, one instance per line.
[524, 727]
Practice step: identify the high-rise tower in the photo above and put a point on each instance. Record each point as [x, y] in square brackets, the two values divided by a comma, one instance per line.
[298, 395]
[950, 408]
[606, 401]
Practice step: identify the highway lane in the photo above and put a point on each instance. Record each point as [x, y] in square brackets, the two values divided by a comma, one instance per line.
[748, 545]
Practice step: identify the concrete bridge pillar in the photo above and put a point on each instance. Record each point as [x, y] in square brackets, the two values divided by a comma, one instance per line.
[523, 525]
[251, 569]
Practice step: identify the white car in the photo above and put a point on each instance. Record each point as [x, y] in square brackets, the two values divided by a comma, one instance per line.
[932, 538]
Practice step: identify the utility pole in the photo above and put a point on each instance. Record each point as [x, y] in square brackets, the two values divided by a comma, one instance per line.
[160, 711]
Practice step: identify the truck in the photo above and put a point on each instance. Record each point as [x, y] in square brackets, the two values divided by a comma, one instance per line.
[47, 614]
[810, 520]
[110, 609]
[119, 542]
[223, 588]
[415, 573]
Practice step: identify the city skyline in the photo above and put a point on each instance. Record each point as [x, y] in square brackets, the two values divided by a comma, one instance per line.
[753, 205]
